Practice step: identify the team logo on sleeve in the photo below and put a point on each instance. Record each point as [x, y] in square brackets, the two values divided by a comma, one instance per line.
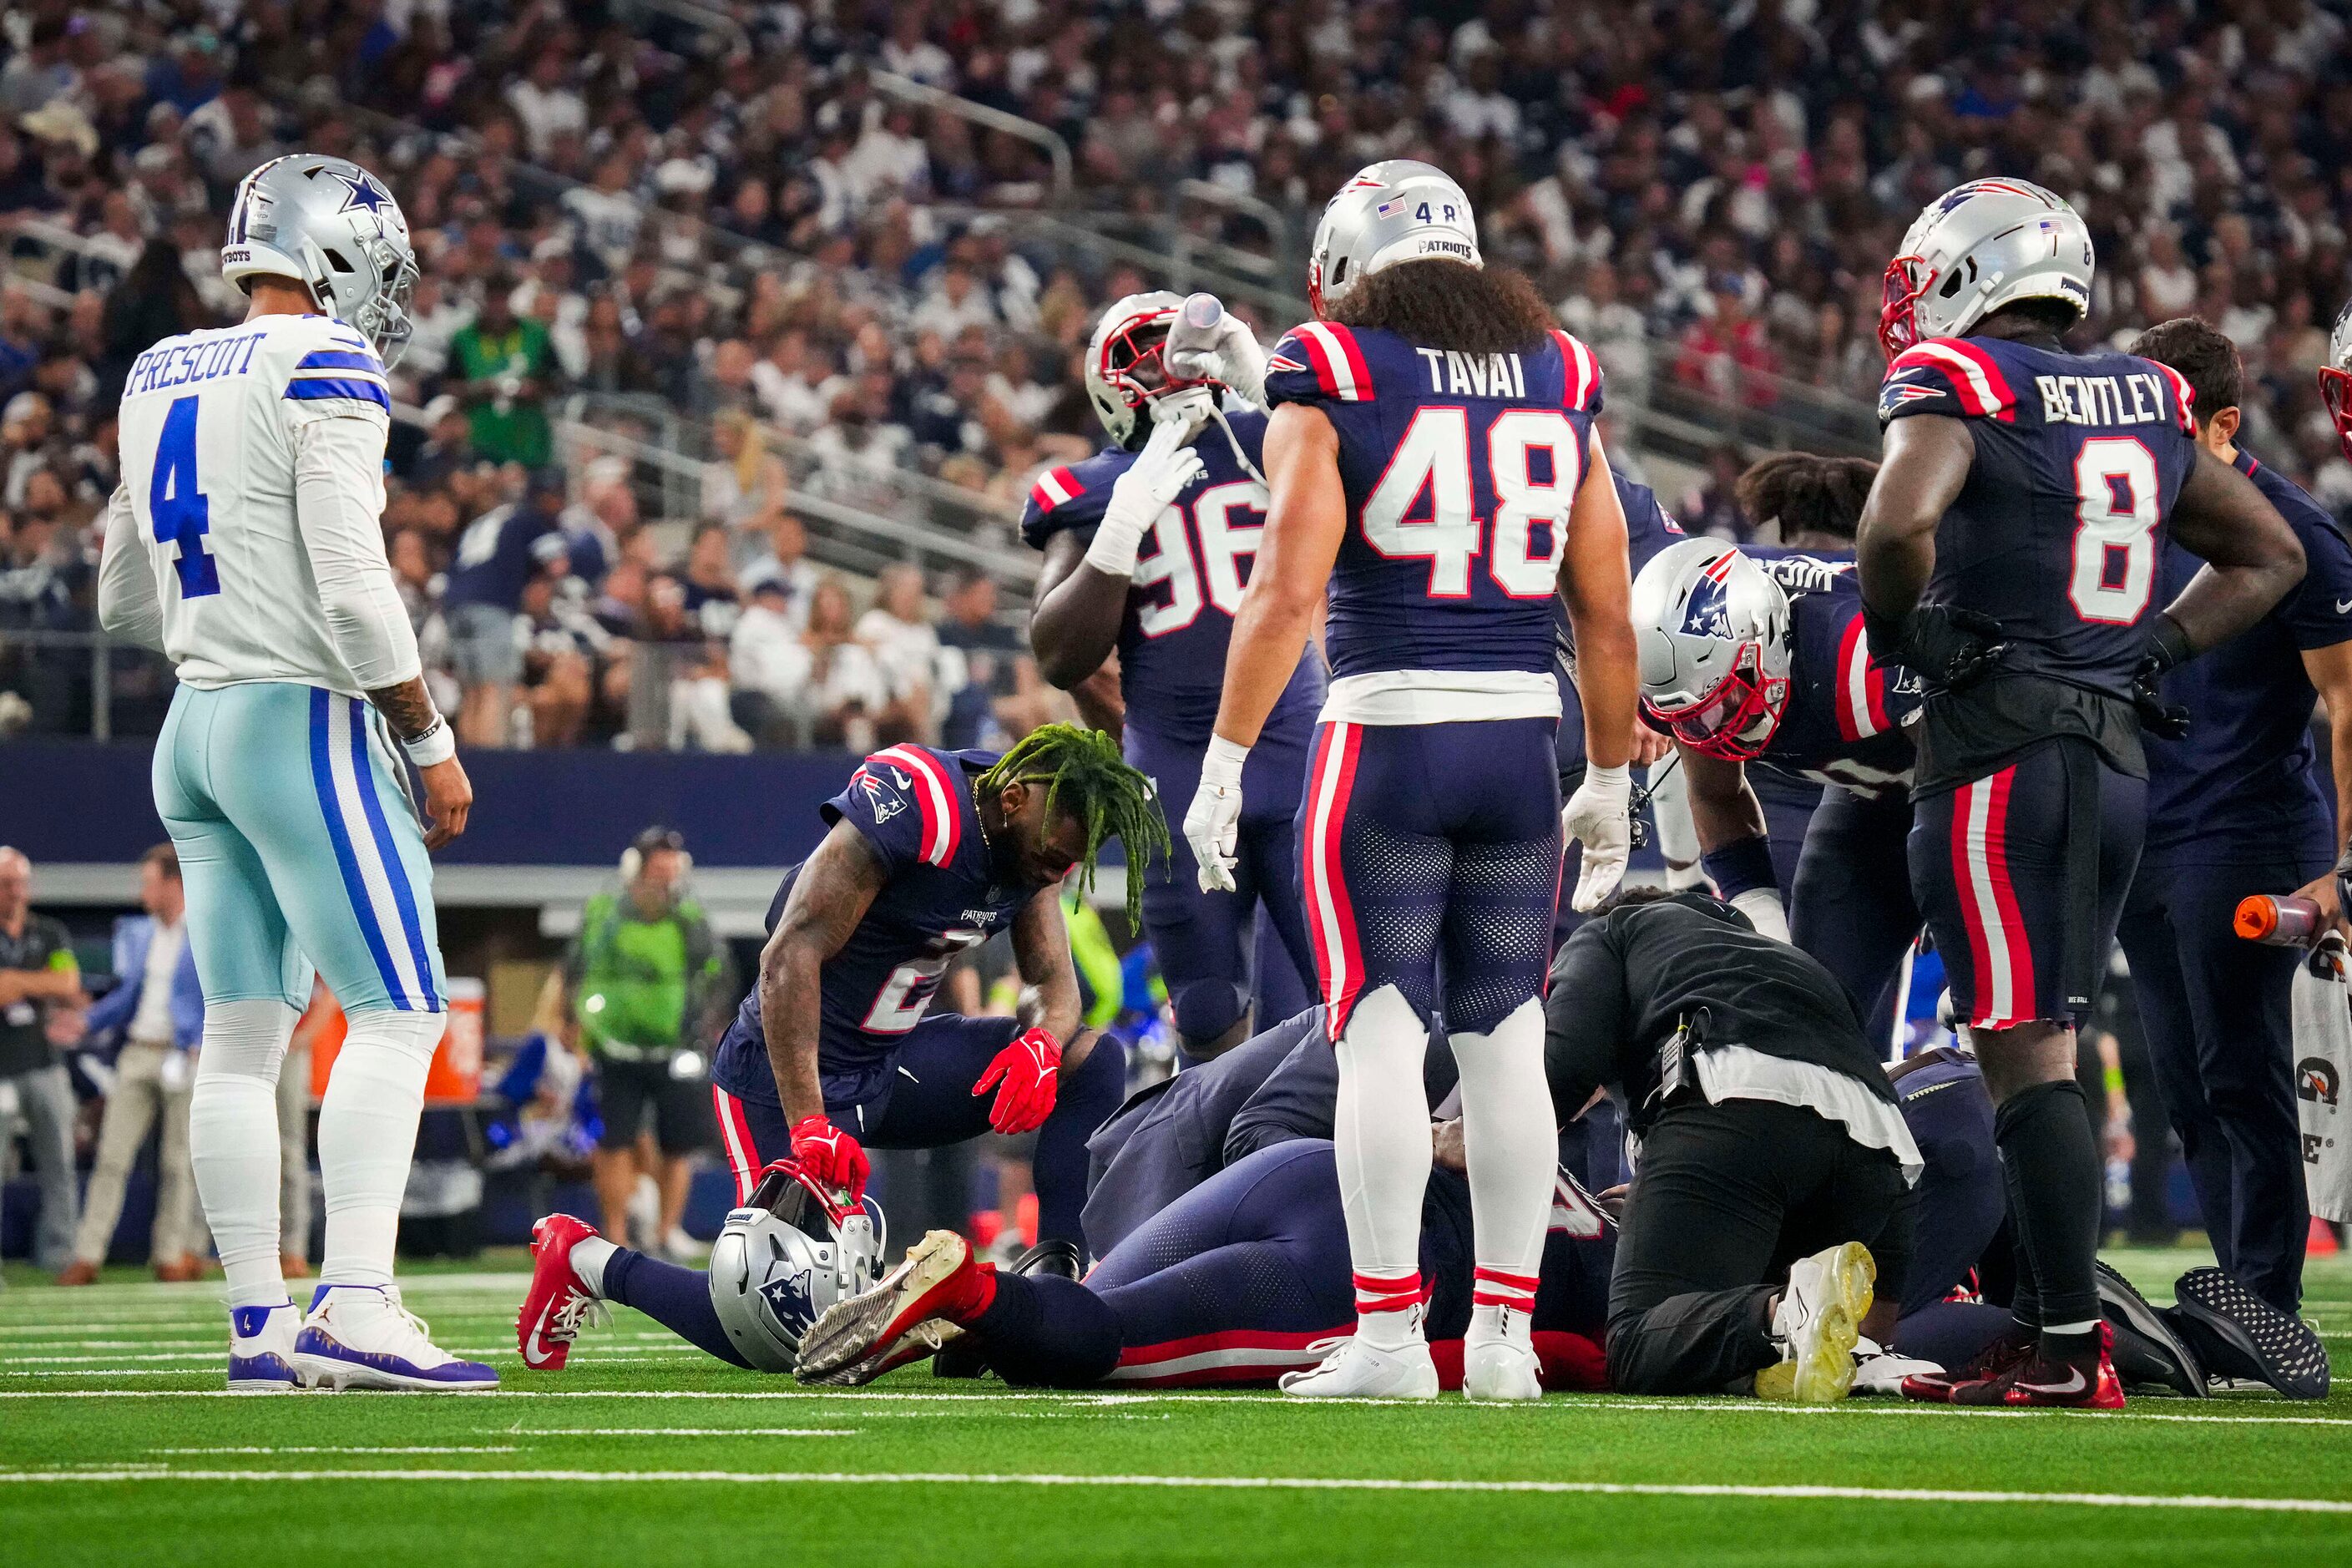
[885, 789]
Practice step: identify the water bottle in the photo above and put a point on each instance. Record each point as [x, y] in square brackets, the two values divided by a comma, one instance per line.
[2278, 920]
[1195, 326]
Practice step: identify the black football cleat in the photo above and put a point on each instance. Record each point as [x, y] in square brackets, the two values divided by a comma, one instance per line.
[2245, 1336]
[2148, 1352]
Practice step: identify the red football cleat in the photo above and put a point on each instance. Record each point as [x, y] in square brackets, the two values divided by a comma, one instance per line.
[2044, 1382]
[913, 1311]
[1935, 1387]
[557, 1304]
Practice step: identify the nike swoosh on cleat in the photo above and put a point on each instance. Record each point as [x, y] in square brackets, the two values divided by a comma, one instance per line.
[2075, 1383]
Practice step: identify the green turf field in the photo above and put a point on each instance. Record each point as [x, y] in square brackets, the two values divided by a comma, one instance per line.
[115, 1446]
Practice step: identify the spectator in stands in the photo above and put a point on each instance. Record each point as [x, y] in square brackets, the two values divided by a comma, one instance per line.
[504, 363]
[898, 632]
[786, 563]
[743, 481]
[647, 980]
[847, 687]
[40, 999]
[709, 579]
[497, 559]
[998, 695]
[1712, 507]
[561, 645]
[770, 664]
[157, 1011]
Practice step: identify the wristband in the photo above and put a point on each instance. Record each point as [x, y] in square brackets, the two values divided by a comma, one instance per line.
[1742, 866]
[437, 745]
[1222, 763]
[1617, 781]
[2169, 642]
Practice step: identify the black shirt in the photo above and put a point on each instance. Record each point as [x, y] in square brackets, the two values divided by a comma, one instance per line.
[1625, 985]
[24, 1041]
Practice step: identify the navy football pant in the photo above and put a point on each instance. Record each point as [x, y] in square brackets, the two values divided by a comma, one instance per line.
[1204, 941]
[1961, 1196]
[1991, 870]
[2221, 1034]
[1429, 842]
[1850, 905]
[926, 1102]
[1789, 805]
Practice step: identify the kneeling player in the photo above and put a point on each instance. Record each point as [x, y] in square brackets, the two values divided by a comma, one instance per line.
[930, 854]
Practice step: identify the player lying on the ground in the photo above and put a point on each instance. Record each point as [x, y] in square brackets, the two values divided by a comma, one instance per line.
[930, 852]
[1147, 546]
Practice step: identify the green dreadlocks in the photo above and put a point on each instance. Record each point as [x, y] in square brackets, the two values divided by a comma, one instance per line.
[1084, 775]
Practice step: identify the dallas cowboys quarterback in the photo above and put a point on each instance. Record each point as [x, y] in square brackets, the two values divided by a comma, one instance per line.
[244, 542]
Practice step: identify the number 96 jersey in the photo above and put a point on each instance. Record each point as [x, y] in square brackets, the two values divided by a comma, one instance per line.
[1460, 471]
[211, 427]
[2057, 532]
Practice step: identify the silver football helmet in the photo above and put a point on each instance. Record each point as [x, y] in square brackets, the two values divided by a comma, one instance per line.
[1396, 210]
[1127, 365]
[785, 1257]
[1713, 633]
[2336, 379]
[1977, 248]
[333, 227]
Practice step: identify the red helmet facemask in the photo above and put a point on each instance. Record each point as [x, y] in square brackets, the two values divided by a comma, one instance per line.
[1907, 278]
[1738, 718]
[1134, 362]
[2335, 391]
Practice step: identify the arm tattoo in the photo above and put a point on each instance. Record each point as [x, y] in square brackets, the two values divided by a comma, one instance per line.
[407, 707]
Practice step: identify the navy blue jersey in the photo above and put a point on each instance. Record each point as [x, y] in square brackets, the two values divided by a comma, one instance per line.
[914, 807]
[2079, 458]
[1189, 578]
[1649, 528]
[2242, 786]
[1460, 471]
[1844, 725]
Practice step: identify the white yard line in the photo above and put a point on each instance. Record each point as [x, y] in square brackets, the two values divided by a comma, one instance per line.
[1205, 1483]
[674, 1432]
[509, 1448]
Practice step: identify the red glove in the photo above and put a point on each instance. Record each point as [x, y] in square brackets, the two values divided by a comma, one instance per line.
[830, 1155]
[1028, 1069]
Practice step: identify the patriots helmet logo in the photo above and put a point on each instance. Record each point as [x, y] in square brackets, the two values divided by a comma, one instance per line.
[880, 798]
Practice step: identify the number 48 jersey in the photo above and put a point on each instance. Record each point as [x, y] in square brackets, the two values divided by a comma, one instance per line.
[211, 427]
[1460, 471]
[2057, 531]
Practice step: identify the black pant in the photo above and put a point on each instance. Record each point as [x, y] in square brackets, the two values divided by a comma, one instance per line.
[628, 1094]
[1725, 1197]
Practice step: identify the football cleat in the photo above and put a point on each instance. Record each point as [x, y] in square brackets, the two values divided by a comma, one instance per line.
[1358, 1370]
[361, 1336]
[261, 1348]
[1935, 1387]
[1877, 1369]
[1499, 1357]
[1817, 1325]
[2043, 1382]
[964, 1357]
[2249, 1337]
[2146, 1348]
[910, 1312]
[557, 1305]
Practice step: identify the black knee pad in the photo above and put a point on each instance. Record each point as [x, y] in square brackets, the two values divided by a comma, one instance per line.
[1205, 1009]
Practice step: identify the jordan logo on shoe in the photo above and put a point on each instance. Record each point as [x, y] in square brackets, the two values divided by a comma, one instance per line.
[2075, 1383]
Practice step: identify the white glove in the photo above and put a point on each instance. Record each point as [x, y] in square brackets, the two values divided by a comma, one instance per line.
[1158, 475]
[1599, 816]
[1212, 825]
[1226, 352]
[1763, 910]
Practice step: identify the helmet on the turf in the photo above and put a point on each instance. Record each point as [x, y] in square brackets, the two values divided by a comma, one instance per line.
[332, 227]
[1980, 247]
[2336, 379]
[1396, 210]
[785, 1257]
[1126, 363]
[1713, 633]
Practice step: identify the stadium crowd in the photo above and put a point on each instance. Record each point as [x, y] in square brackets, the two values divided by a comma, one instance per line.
[733, 237]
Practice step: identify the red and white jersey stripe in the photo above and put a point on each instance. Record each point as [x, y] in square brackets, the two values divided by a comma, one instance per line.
[1975, 376]
[1582, 371]
[1338, 362]
[1861, 687]
[1053, 487]
[935, 795]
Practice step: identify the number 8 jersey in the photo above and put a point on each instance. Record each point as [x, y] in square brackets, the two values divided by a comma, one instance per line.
[213, 427]
[1460, 471]
[2057, 532]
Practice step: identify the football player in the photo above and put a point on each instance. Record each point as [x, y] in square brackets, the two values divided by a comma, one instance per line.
[2235, 808]
[929, 853]
[2008, 556]
[245, 541]
[1148, 545]
[1431, 466]
[1759, 664]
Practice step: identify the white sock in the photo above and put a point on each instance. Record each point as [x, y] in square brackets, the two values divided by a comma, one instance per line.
[1380, 1134]
[367, 1136]
[1512, 1147]
[589, 1256]
[233, 1141]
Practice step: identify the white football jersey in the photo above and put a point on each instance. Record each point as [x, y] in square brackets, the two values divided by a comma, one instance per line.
[209, 428]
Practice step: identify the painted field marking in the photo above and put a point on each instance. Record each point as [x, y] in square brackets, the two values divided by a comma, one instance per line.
[508, 1448]
[1206, 1483]
[675, 1432]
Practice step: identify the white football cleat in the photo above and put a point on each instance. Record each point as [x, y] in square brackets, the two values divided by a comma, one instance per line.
[1817, 1325]
[261, 1348]
[360, 1336]
[1499, 1357]
[1358, 1370]
[1880, 1371]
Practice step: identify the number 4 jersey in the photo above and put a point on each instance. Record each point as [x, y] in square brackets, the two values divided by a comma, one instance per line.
[252, 466]
[1460, 471]
[2056, 534]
